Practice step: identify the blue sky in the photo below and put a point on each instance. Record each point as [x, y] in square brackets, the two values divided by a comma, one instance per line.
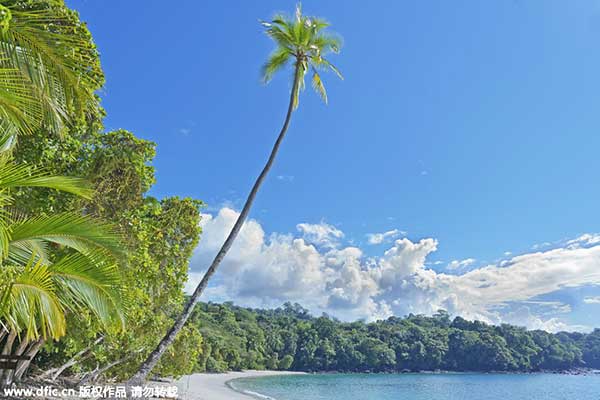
[472, 123]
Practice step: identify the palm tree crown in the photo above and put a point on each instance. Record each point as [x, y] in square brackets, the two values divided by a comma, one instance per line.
[301, 38]
[48, 72]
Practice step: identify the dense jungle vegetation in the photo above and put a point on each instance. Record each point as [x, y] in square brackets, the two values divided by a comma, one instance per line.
[289, 338]
[85, 252]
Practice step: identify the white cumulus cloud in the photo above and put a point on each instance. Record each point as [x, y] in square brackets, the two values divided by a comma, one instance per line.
[315, 269]
[321, 234]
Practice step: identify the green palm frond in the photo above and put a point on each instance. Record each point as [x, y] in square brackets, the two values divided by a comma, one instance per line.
[303, 39]
[32, 306]
[82, 233]
[14, 175]
[318, 85]
[8, 136]
[325, 43]
[55, 58]
[21, 252]
[93, 282]
[319, 24]
[276, 61]
[20, 109]
[278, 32]
[332, 67]
[45, 68]
[5, 219]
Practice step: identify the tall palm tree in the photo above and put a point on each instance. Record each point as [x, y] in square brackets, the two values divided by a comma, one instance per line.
[302, 41]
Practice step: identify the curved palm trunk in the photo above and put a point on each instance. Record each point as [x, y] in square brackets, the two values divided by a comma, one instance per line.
[155, 356]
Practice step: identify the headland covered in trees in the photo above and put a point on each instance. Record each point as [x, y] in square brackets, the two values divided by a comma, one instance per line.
[289, 338]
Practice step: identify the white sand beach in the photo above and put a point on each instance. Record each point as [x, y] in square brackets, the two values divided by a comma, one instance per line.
[214, 387]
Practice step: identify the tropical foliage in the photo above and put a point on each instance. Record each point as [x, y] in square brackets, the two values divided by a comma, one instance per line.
[48, 67]
[51, 264]
[289, 338]
[45, 284]
[157, 235]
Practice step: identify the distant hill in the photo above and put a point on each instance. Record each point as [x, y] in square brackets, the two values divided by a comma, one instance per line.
[289, 338]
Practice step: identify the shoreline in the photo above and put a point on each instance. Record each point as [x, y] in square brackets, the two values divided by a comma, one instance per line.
[207, 386]
[218, 386]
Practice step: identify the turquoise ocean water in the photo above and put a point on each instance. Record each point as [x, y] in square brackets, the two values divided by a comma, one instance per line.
[423, 387]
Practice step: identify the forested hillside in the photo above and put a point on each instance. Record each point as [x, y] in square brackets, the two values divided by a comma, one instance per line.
[289, 338]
